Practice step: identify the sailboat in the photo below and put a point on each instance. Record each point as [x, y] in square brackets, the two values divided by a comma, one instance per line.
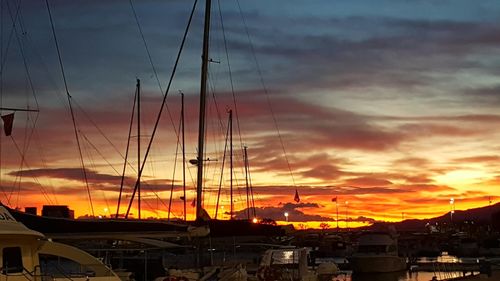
[377, 252]
[231, 227]
[28, 255]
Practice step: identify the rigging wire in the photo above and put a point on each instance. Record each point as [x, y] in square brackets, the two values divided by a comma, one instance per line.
[153, 67]
[27, 136]
[252, 201]
[25, 145]
[92, 161]
[155, 72]
[85, 114]
[163, 103]
[23, 159]
[266, 92]
[44, 164]
[33, 134]
[70, 106]
[221, 174]
[126, 156]
[94, 147]
[230, 75]
[219, 125]
[235, 106]
[22, 52]
[173, 175]
[4, 61]
[145, 44]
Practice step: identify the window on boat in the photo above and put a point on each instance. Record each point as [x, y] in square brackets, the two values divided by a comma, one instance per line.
[373, 249]
[12, 260]
[285, 257]
[56, 266]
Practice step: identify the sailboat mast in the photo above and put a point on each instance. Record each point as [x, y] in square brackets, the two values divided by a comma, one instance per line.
[231, 161]
[139, 147]
[246, 181]
[201, 127]
[183, 156]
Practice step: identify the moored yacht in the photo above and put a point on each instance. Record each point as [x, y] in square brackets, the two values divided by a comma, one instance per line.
[27, 255]
[292, 264]
[377, 252]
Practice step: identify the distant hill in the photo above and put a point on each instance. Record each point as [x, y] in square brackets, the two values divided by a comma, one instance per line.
[481, 215]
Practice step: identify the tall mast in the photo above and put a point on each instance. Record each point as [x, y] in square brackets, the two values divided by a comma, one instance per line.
[245, 159]
[231, 161]
[139, 147]
[201, 128]
[183, 155]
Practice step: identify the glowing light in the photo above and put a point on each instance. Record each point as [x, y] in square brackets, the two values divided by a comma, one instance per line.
[255, 220]
[286, 216]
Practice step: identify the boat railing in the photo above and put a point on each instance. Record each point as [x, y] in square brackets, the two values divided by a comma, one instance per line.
[87, 271]
[450, 271]
[17, 271]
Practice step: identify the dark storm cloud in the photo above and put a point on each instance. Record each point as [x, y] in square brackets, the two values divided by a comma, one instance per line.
[98, 180]
[326, 126]
[75, 174]
[368, 181]
[347, 190]
[398, 55]
[296, 215]
[9, 188]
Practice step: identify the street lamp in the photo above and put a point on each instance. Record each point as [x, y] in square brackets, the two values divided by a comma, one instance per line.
[286, 216]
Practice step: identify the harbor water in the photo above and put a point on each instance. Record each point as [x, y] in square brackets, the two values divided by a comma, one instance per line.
[397, 276]
[415, 274]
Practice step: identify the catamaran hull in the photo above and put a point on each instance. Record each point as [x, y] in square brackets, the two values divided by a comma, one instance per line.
[369, 264]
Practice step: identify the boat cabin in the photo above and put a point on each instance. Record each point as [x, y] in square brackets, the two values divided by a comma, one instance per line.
[27, 255]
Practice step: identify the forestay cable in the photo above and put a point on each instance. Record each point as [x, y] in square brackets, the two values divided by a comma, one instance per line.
[264, 88]
[70, 107]
[162, 104]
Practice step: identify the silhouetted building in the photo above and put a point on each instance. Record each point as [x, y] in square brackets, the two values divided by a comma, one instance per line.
[30, 210]
[57, 211]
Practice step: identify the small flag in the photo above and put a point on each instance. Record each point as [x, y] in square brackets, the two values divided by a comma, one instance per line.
[334, 199]
[296, 198]
[193, 204]
[8, 121]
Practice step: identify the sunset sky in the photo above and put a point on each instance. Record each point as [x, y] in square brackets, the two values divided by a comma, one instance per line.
[392, 106]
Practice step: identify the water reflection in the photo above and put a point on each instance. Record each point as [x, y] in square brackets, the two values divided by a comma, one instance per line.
[412, 276]
[391, 276]
[395, 276]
